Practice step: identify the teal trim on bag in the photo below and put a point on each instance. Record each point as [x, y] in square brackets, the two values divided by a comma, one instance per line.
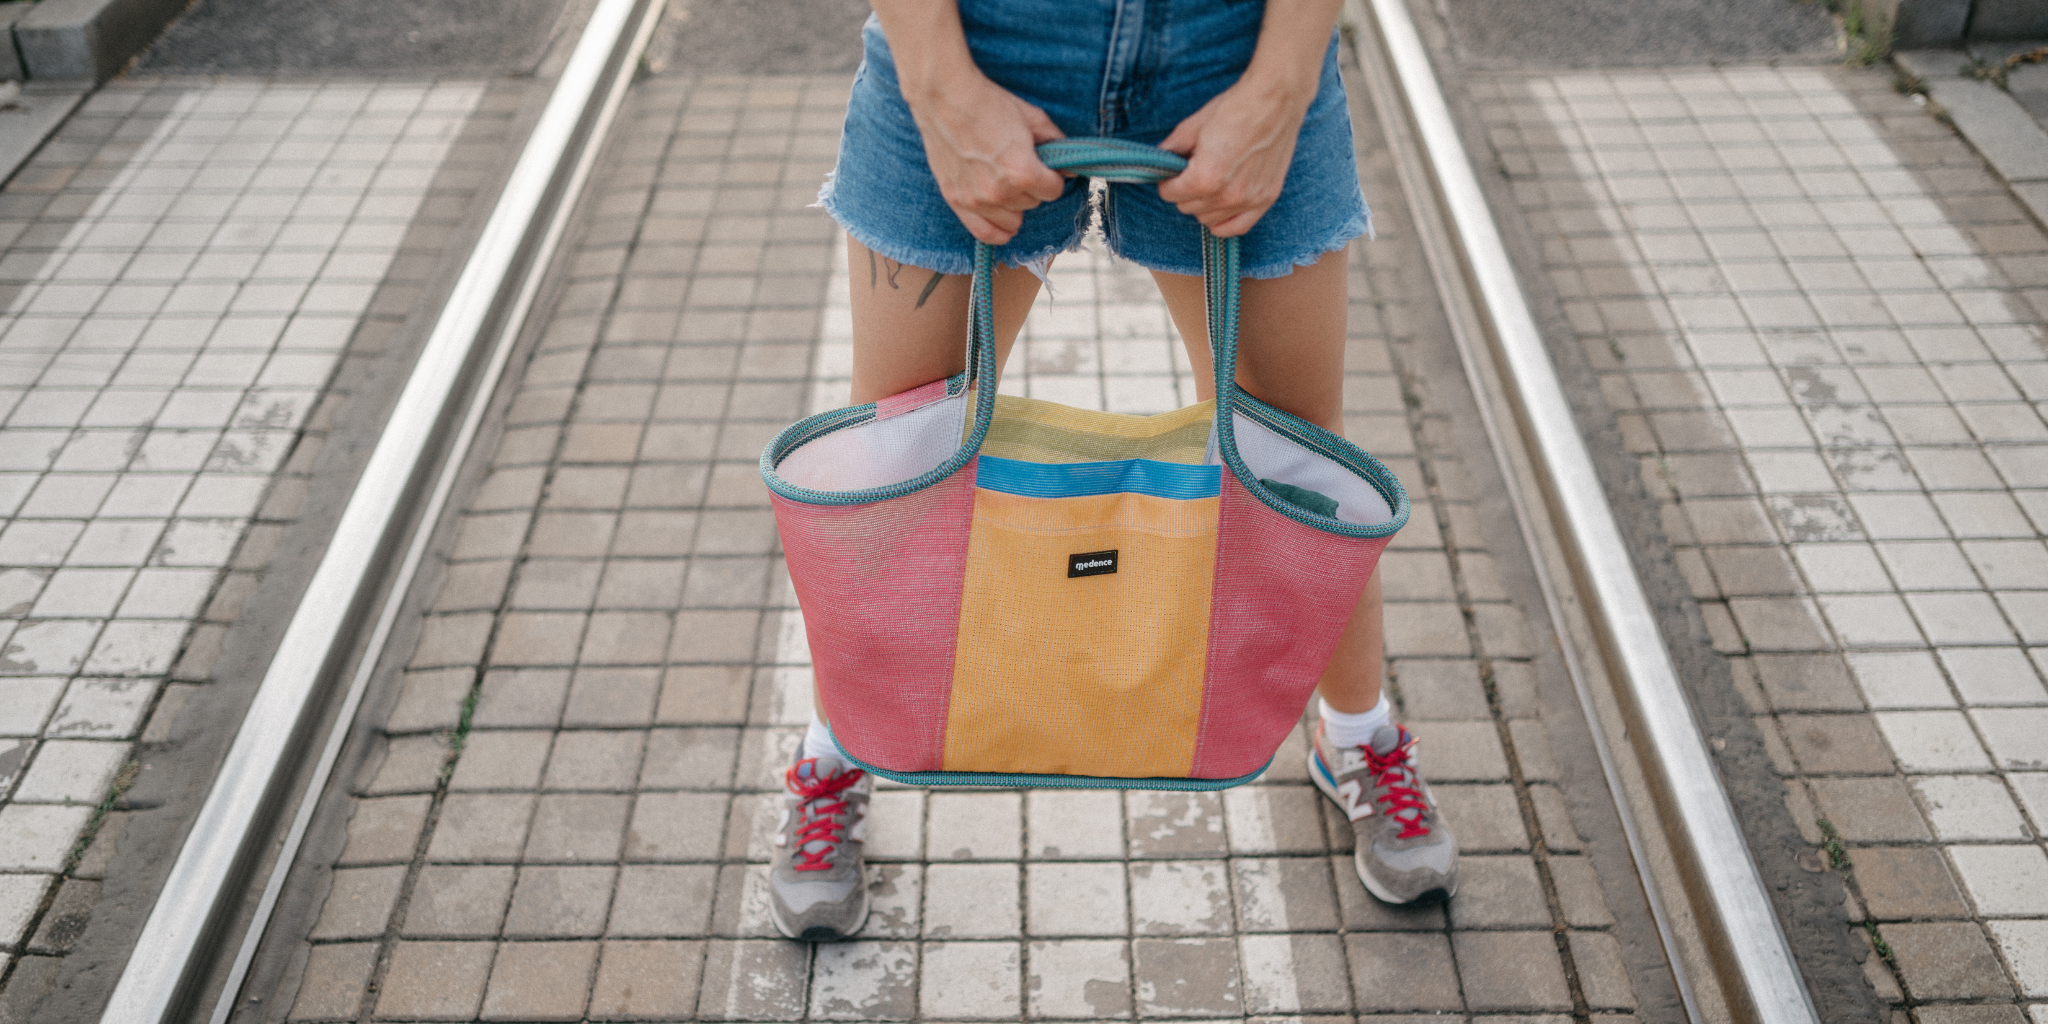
[1087, 479]
[1011, 780]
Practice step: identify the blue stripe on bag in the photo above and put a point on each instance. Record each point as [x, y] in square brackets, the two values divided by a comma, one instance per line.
[1082, 479]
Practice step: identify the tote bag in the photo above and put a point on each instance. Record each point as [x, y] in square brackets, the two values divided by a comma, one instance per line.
[1009, 592]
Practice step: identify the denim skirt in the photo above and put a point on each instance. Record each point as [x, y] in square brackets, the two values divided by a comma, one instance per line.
[1129, 69]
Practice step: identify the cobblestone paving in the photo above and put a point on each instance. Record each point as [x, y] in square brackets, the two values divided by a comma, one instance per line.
[1821, 324]
[618, 649]
[186, 265]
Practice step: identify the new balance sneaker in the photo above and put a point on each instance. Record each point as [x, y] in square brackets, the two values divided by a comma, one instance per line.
[817, 881]
[1404, 852]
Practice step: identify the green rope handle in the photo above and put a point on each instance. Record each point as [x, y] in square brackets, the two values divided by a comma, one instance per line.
[1132, 163]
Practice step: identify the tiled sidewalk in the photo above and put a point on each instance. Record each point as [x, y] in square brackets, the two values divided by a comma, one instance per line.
[1821, 324]
[185, 267]
[615, 614]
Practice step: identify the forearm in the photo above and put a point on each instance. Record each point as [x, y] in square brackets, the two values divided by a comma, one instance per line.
[928, 44]
[1293, 37]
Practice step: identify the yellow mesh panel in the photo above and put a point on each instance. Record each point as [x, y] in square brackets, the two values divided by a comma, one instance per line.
[1036, 431]
[1096, 675]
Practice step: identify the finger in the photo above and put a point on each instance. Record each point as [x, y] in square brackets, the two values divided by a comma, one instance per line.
[1237, 225]
[984, 230]
[1040, 123]
[1182, 139]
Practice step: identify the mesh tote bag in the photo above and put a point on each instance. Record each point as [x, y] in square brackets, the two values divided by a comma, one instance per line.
[1003, 591]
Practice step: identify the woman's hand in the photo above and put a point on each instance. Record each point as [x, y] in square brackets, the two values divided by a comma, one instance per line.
[979, 138]
[1240, 144]
[981, 142]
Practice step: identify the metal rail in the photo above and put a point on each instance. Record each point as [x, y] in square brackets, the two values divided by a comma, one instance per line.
[167, 958]
[1722, 874]
[1468, 333]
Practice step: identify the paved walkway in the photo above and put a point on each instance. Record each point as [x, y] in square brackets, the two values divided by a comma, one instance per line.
[590, 841]
[1820, 323]
[187, 266]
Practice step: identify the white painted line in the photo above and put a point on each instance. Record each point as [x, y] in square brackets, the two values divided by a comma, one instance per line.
[167, 953]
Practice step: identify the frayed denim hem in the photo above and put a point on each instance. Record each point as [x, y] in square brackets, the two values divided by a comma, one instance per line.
[938, 260]
[1359, 224]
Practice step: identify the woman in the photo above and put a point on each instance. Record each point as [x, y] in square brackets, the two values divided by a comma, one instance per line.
[938, 152]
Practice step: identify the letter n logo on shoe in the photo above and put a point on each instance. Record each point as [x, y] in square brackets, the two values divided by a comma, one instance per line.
[1091, 563]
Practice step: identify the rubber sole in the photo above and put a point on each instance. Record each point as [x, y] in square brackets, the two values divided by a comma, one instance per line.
[818, 933]
[1320, 773]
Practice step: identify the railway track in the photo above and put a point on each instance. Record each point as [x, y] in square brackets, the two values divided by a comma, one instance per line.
[1727, 955]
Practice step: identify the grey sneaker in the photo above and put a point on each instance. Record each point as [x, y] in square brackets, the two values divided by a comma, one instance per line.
[817, 880]
[1404, 852]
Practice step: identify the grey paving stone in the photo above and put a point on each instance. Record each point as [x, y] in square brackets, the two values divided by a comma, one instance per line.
[435, 980]
[583, 828]
[1294, 974]
[1946, 960]
[1461, 752]
[559, 902]
[618, 697]
[702, 758]
[1521, 971]
[1078, 978]
[972, 901]
[753, 980]
[454, 902]
[1187, 977]
[359, 902]
[516, 698]
[676, 826]
[1402, 972]
[974, 826]
[430, 700]
[384, 830]
[480, 827]
[411, 764]
[1499, 892]
[1579, 893]
[1870, 809]
[662, 901]
[540, 981]
[1180, 898]
[592, 759]
[500, 759]
[333, 984]
[1485, 818]
[1603, 975]
[1067, 899]
[1273, 819]
[1174, 824]
[1284, 894]
[646, 980]
[710, 694]
[1074, 824]
[865, 981]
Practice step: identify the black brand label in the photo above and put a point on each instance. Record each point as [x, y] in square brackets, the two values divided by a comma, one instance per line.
[1092, 563]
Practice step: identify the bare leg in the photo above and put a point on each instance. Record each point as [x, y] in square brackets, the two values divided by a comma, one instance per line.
[1293, 357]
[910, 324]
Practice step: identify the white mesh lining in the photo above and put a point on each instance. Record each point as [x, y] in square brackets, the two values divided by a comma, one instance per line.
[881, 452]
[1272, 456]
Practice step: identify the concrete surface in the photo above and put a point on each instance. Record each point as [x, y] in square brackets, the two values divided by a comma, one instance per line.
[268, 37]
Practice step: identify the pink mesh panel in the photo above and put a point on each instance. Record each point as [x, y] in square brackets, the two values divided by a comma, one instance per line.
[1284, 591]
[897, 405]
[880, 588]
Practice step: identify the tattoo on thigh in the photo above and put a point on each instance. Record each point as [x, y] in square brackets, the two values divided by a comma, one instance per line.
[871, 271]
[895, 268]
[929, 287]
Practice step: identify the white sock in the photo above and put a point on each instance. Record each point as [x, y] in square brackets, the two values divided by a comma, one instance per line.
[818, 741]
[1355, 730]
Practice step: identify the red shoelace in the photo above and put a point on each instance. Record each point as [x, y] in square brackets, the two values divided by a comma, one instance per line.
[1403, 802]
[818, 816]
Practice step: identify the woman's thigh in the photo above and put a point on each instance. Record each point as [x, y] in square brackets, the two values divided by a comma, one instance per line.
[1290, 337]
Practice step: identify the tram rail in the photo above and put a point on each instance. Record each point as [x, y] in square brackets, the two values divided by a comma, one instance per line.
[1687, 847]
